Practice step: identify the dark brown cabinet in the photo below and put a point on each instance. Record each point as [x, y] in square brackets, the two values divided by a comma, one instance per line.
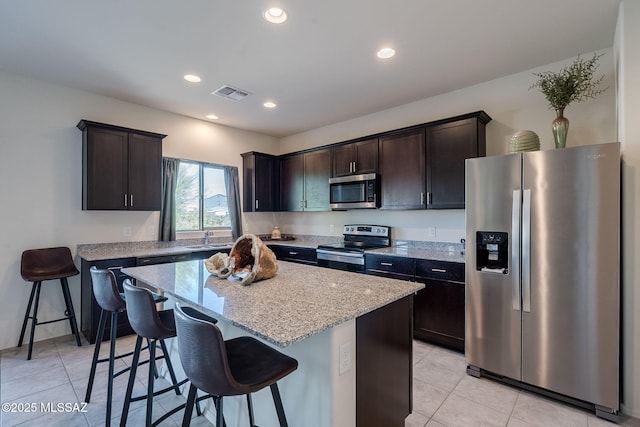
[121, 168]
[297, 254]
[448, 145]
[304, 181]
[402, 170]
[261, 179]
[439, 307]
[355, 158]
[392, 267]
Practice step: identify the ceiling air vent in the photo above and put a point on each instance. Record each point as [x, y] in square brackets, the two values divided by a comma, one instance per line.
[230, 92]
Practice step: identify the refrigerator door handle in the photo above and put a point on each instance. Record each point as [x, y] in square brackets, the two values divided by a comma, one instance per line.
[515, 249]
[526, 251]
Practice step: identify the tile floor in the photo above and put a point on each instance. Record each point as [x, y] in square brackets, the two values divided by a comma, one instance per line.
[443, 394]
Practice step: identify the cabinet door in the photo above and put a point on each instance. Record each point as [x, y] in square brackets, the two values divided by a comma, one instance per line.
[104, 169]
[145, 173]
[439, 313]
[317, 170]
[261, 182]
[342, 158]
[402, 170]
[366, 156]
[291, 183]
[448, 145]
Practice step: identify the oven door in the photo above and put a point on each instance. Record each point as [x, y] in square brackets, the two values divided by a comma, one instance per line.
[346, 261]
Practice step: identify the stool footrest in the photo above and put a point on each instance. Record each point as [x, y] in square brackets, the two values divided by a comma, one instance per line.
[49, 321]
[159, 392]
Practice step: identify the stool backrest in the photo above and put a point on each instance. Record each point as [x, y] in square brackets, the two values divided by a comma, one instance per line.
[105, 290]
[203, 355]
[142, 313]
[47, 264]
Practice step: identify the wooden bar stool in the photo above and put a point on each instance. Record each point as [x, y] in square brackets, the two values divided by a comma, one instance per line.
[38, 265]
[234, 367]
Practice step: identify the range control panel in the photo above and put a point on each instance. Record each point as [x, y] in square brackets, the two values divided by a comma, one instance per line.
[367, 230]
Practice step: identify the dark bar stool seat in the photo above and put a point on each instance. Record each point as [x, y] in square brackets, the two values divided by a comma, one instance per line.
[112, 304]
[155, 326]
[234, 367]
[38, 265]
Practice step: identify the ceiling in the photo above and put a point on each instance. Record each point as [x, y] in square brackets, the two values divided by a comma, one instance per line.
[319, 66]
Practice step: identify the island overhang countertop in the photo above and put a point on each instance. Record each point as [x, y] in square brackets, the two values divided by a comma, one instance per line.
[298, 302]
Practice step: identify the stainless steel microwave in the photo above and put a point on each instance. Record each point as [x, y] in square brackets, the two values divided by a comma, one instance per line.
[354, 192]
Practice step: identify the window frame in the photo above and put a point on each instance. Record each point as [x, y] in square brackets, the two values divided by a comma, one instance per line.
[201, 169]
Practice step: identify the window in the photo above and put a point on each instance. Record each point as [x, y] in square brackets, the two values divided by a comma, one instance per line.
[201, 197]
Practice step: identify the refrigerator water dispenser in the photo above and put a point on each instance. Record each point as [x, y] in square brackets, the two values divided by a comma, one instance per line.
[492, 252]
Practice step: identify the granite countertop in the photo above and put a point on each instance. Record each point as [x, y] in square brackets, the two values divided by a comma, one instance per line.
[298, 302]
[102, 251]
[435, 254]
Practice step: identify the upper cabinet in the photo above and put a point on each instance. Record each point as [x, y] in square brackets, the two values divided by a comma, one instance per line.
[355, 158]
[448, 145]
[305, 181]
[121, 168]
[402, 170]
[261, 177]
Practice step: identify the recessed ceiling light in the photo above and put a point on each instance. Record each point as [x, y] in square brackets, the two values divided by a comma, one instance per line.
[212, 116]
[192, 78]
[386, 53]
[270, 104]
[275, 15]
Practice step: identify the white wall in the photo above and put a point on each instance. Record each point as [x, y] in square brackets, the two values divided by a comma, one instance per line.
[41, 171]
[512, 107]
[628, 105]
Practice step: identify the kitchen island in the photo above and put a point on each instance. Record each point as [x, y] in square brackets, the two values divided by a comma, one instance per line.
[351, 334]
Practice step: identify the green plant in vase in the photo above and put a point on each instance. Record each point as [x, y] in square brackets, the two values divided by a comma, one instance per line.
[574, 83]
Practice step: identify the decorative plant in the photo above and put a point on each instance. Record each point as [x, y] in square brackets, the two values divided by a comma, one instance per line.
[574, 83]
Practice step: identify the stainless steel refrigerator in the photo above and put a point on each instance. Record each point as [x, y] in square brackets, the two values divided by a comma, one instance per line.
[542, 272]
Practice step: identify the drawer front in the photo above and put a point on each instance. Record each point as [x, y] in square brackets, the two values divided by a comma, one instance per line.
[390, 264]
[294, 253]
[440, 270]
[162, 259]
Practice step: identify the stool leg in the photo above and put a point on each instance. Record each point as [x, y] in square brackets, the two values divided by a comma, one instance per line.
[96, 352]
[132, 379]
[250, 406]
[170, 367]
[219, 417]
[70, 312]
[188, 410]
[34, 319]
[277, 401]
[152, 363]
[112, 355]
[27, 313]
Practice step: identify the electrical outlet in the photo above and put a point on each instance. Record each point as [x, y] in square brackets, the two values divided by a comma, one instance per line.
[127, 232]
[431, 231]
[344, 359]
[151, 230]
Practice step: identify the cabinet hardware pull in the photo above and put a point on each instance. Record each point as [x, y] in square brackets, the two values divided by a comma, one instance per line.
[438, 270]
[125, 200]
[422, 198]
[293, 253]
[131, 196]
[429, 197]
[256, 204]
[388, 264]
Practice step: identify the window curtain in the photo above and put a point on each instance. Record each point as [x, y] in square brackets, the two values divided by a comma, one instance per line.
[168, 208]
[232, 184]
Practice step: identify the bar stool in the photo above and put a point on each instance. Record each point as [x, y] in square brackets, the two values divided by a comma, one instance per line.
[155, 326]
[38, 265]
[234, 367]
[112, 303]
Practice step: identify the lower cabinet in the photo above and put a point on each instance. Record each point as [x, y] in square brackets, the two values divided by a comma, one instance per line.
[90, 310]
[297, 254]
[438, 312]
[439, 307]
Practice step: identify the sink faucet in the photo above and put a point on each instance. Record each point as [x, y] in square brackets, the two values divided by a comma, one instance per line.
[207, 234]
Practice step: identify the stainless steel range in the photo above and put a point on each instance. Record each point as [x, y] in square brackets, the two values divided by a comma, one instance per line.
[349, 254]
